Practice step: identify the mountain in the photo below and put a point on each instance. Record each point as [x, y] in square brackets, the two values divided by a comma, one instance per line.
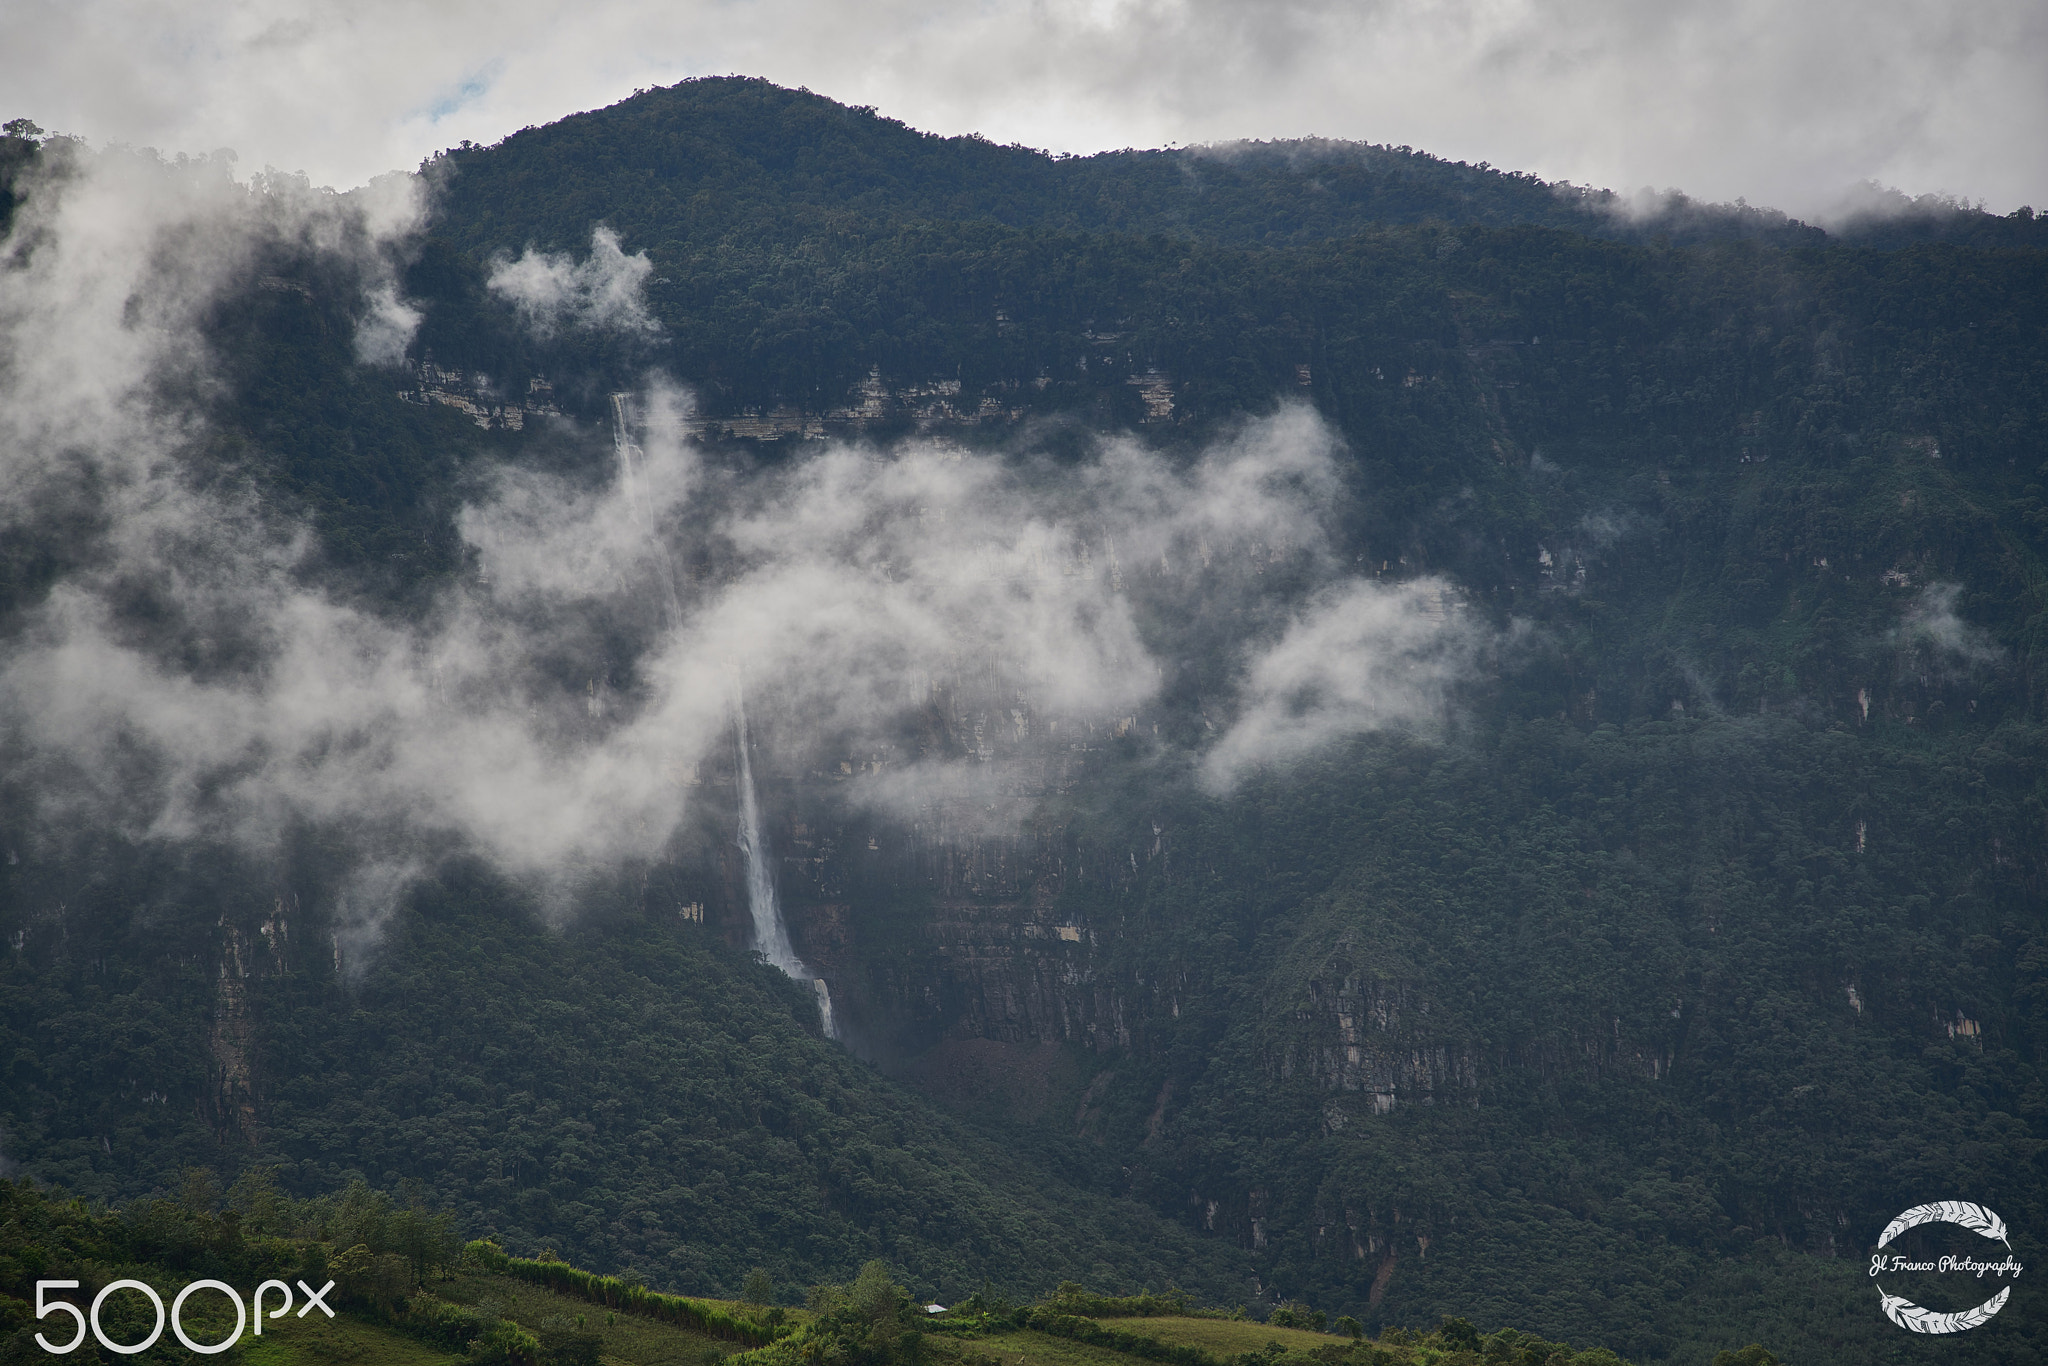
[707, 155]
[1340, 726]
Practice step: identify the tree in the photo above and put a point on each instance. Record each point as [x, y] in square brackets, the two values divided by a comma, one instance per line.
[1752, 1355]
[201, 1192]
[758, 1288]
[263, 1207]
[874, 1290]
[1459, 1335]
[424, 1240]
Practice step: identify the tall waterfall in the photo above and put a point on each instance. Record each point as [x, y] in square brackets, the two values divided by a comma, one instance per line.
[771, 936]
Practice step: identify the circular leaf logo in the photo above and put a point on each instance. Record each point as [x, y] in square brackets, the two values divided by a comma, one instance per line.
[1911, 1316]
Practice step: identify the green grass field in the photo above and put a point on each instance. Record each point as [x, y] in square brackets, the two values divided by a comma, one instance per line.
[344, 1341]
[628, 1338]
[1026, 1349]
[1224, 1337]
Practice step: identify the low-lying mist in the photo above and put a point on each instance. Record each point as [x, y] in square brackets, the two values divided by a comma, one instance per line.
[180, 671]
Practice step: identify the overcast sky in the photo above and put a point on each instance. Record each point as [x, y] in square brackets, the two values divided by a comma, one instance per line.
[1783, 103]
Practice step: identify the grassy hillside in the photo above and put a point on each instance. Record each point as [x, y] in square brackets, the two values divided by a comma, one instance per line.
[318, 1341]
[405, 1297]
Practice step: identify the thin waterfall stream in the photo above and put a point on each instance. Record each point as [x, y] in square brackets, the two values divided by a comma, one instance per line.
[771, 935]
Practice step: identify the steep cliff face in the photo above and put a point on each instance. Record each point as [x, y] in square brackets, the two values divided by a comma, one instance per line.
[230, 1101]
[1007, 915]
[933, 932]
[1386, 1042]
[1372, 1037]
[957, 909]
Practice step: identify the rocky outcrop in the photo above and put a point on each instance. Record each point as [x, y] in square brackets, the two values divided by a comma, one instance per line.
[1377, 1038]
[931, 405]
[230, 1101]
[471, 392]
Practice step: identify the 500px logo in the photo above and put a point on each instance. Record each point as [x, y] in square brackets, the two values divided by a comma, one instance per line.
[46, 1307]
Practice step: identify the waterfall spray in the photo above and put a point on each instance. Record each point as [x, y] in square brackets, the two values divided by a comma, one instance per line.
[771, 936]
[632, 479]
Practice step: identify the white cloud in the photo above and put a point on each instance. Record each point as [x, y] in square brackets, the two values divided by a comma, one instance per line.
[602, 292]
[386, 328]
[184, 678]
[113, 258]
[1932, 634]
[1787, 105]
[1784, 105]
[1360, 657]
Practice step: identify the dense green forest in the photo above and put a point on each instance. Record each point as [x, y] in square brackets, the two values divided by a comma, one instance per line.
[1626, 1007]
[631, 1090]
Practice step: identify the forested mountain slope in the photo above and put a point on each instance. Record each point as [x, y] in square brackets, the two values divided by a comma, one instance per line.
[625, 1089]
[1623, 996]
[719, 152]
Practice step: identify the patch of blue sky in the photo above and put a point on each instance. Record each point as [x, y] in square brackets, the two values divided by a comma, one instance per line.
[468, 93]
